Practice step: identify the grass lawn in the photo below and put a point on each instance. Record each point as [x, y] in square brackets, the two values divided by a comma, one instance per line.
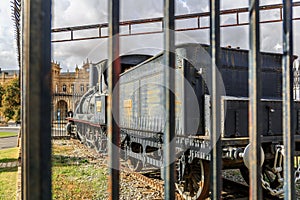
[7, 134]
[75, 177]
[79, 182]
[8, 176]
[8, 181]
[9, 155]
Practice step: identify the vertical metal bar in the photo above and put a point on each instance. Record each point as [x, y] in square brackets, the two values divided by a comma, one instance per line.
[114, 70]
[169, 136]
[99, 32]
[287, 101]
[254, 102]
[23, 111]
[37, 83]
[72, 35]
[216, 159]
[129, 27]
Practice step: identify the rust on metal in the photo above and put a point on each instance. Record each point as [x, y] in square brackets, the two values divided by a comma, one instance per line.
[130, 24]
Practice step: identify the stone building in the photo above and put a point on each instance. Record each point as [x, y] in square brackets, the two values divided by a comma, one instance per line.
[7, 75]
[67, 89]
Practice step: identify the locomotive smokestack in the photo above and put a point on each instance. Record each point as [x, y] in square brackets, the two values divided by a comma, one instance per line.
[93, 75]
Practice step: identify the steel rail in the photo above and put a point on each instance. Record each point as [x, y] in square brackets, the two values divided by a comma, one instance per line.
[198, 25]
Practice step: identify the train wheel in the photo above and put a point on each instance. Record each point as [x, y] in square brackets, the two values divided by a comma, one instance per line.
[195, 184]
[135, 164]
[271, 181]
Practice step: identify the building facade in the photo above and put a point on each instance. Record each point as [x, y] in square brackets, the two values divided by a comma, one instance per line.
[8, 75]
[67, 89]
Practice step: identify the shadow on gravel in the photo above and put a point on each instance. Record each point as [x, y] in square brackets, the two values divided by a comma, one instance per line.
[9, 169]
[62, 160]
[5, 160]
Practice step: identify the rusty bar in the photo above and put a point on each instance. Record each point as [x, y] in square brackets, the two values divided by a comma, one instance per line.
[216, 158]
[169, 64]
[159, 19]
[114, 70]
[36, 64]
[255, 190]
[156, 32]
[288, 102]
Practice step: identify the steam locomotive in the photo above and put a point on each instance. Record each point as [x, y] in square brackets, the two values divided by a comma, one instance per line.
[142, 115]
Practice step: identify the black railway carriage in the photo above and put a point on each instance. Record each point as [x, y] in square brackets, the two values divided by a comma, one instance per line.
[142, 116]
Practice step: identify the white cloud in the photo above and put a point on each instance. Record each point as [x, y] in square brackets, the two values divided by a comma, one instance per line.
[8, 55]
[79, 12]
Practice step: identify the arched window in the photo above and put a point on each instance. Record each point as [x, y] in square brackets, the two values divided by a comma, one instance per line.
[81, 88]
[64, 88]
[87, 87]
[72, 88]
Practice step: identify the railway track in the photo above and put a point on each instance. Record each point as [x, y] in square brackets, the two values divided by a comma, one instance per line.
[150, 178]
[231, 189]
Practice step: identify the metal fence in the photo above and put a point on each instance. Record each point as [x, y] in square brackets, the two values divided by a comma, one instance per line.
[36, 73]
[58, 129]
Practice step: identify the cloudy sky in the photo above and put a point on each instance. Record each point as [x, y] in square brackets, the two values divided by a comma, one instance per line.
[83, 12]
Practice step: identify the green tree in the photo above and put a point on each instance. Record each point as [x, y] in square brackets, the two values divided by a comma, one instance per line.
[2, 91]
[11, 100]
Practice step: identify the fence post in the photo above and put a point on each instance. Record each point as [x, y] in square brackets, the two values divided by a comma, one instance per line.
[254, 102]
[215, 135]
[36, 76]
[169, 65]
[114, 70]
[288, 102]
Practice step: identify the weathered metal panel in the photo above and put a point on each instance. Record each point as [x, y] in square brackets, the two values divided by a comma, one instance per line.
[144, 88]
[236, 123]
[234, 69]
[129, 103]
[100, 109]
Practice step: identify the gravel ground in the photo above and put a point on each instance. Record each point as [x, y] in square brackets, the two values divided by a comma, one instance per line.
[235, 175]
[131, 187]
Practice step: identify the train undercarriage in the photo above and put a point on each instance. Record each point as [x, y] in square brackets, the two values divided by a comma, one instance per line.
[143, 149]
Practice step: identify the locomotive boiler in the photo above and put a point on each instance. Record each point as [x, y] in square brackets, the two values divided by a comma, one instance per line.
[142, 115]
